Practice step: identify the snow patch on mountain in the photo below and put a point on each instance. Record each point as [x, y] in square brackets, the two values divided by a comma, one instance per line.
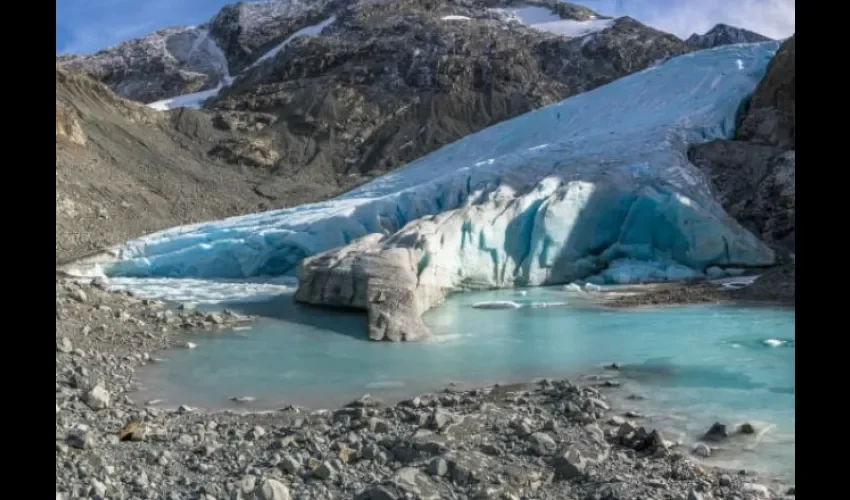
[313, 30]
[544, 19]
[196, 100]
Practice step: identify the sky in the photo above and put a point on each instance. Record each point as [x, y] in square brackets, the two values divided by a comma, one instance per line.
[86, 26]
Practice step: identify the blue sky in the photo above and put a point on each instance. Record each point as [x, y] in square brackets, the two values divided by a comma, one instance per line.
[85, 26]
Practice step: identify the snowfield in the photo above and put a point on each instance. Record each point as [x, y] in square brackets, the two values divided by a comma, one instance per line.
[596, 187]
[543, 19]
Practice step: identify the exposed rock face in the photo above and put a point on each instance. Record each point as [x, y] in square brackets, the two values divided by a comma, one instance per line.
[166, 63]
[392, 82]
[384, 84]
[755, 183]
[247, 30]
[770, 118]
[431, 255]
[723, 34]
[68, 125]
[384, 283]
[123, 169]
[754, 175]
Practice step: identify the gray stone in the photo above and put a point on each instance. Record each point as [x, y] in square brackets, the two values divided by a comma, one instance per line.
[701, 450]
[289, 465]
[324, 471]
[79, 295]
[80, 439]
[98, 398]
[378, 492]
[570, 464]
[377, 425]
[438, 467]
[746, 428]
[757, 490]
[64, 345]
[415, 483]
[695, 495]
[542, 443]
[439, 419]
[717, 432]
[270, 489]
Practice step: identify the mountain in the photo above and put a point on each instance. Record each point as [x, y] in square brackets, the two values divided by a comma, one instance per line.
[123, 169]
[294, 102]
[597, 187]
[753, 174]
[723, 34]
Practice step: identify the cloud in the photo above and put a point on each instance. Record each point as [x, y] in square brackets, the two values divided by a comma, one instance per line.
[85, 26]
[772, 18]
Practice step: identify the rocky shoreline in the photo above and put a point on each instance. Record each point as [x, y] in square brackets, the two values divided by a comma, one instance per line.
[776, 286]
[547, 440]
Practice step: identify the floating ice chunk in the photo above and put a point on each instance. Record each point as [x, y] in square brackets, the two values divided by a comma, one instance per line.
[523, 293]
[541, 305]
[736, 282]
[715, 272]
[773, 342]
[573, 287]
[497, 304]
[592, 287]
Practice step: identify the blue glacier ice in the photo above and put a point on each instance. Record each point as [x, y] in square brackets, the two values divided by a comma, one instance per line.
[553, 195]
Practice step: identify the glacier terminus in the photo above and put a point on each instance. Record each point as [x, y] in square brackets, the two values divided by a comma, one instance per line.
[597, 187]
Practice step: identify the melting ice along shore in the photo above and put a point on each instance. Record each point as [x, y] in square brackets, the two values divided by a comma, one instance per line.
[595, 187]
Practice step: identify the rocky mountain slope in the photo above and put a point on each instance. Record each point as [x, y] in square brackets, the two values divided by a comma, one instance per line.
[123, 169]
[723, 34]
[754, 174]
[378, 84]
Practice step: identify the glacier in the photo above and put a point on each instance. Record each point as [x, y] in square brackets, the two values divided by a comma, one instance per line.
[597, 187]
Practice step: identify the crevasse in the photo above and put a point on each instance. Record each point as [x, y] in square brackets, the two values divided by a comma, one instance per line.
[556, 194]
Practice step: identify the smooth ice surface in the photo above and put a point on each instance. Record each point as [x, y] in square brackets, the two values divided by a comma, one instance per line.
[544, 19]
[695, 364]
[597, 177]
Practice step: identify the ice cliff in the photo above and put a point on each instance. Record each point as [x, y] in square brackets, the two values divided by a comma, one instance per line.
[597, 186]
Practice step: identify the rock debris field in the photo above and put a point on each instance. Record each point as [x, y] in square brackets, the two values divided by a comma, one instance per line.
[545, 440]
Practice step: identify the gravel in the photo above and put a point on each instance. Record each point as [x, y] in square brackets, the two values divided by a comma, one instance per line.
[548, 440]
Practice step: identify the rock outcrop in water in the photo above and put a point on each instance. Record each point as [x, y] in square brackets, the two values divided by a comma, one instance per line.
[385, 284]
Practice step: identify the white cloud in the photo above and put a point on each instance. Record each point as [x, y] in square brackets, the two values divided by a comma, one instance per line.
[772, 18]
